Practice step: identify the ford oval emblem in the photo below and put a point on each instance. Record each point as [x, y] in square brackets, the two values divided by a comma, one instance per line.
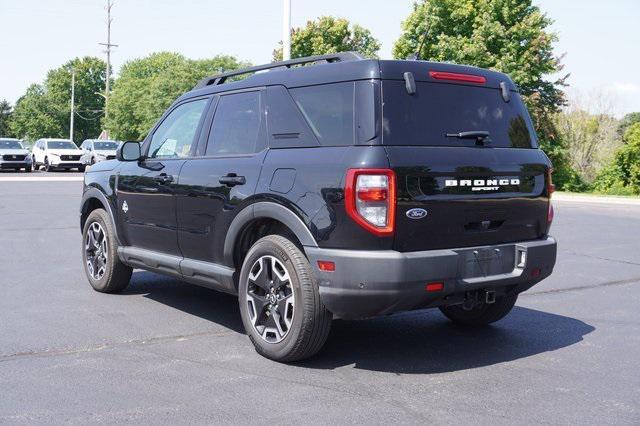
[416, 213]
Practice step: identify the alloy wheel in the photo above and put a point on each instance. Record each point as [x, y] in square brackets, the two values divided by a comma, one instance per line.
[95, 247]
[270, 299]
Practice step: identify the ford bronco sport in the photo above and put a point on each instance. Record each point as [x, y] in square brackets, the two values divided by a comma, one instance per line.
[331, 187]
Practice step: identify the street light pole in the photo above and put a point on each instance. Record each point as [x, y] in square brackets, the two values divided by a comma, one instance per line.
[286, 31]
[73, 95]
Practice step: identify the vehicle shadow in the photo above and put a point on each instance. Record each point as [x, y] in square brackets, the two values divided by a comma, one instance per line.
[425, 342]
[418, 342]
[210, 305]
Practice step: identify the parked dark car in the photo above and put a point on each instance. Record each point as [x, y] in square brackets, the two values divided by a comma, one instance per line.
[331, 187]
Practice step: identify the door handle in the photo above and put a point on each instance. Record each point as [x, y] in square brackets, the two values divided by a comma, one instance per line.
[232, 180]
[163, 178]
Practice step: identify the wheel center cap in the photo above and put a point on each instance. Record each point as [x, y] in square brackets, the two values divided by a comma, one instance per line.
[272, 298]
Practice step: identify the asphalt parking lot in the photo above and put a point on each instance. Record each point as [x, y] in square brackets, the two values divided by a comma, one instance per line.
[167, 352]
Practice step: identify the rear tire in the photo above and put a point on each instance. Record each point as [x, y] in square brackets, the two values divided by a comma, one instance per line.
[481, 314]
[47, 166]
[105, 272]
[289, 322]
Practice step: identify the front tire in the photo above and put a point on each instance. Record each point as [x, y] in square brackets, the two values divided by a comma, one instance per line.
[482, 314]
[81, 169]
[105, 272]
[280, 303]
[47, 166]
[27, 169]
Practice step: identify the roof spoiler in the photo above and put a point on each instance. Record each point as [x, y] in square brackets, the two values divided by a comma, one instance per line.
[330, 58]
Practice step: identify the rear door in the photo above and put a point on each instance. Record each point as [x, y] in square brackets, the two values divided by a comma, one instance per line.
[215, 184]
[463, 190]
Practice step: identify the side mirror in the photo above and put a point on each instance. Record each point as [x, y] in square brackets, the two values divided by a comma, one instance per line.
[128, 151]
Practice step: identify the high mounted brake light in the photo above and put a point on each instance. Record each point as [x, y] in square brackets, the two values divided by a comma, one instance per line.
[370, 199]
[452, 76]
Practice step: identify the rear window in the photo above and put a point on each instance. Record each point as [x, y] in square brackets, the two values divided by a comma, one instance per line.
[438, 109]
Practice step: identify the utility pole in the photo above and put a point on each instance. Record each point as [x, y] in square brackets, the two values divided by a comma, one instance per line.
[286, 31]
[108, 45]
[73, 95]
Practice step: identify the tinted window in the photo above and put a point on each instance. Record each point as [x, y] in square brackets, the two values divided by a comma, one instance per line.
[175, 135]
[236, 125]
[438, 108]
[328, 109]
[287, 127]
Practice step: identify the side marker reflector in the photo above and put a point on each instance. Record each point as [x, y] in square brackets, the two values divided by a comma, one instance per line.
[325, 265]
[434, 287]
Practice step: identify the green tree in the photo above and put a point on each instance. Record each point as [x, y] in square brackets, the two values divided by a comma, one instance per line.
[510, 36]
[628, 121]
[622, 176]
[330, 35]
[146, 87]
[34, 117]
[45, 108]
[590, 139]
[5, 116]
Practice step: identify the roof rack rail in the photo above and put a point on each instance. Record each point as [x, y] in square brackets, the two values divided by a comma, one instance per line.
[330, 58]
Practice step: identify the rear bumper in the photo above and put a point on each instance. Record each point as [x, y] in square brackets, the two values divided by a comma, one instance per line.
[371, 283]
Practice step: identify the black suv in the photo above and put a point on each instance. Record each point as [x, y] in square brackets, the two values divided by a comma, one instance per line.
[331, 187]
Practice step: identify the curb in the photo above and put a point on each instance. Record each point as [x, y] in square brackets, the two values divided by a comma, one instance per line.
[41, 179]
[595, 199]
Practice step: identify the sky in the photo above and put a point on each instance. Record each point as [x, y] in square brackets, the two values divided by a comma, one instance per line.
[600, 40]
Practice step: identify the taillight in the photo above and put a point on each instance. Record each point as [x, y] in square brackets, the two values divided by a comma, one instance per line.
[550, 190]
[370, 199]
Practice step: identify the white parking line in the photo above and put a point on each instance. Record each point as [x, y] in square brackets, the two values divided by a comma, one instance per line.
[41, 179]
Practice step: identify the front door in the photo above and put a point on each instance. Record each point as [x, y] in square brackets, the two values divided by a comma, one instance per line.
[146, 189]
[215, 185]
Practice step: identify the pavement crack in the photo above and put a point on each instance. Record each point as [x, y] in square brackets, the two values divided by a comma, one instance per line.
[626, 262]
[94, 348]
[584, 287]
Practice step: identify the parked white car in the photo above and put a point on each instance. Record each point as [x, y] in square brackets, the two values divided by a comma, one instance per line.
[56, 154]
[13, 155]
[96, 150]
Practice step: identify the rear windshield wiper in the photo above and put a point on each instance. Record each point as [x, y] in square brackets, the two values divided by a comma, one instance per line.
[481, 136]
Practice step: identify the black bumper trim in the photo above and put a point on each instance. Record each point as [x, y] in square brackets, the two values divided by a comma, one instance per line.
[372, 283]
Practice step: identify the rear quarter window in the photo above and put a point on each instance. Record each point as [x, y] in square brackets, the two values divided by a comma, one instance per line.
[329, 111]
[440, 108]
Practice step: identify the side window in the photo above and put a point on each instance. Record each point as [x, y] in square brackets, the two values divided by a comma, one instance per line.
[328, 109]
[287, 126]
[237, 124]
[173, 138]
